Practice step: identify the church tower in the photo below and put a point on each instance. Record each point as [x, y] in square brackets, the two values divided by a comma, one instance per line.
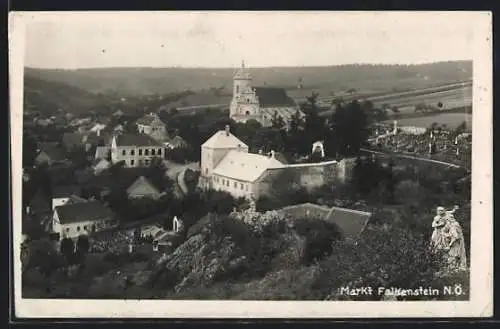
[244, 103]
[242, 81]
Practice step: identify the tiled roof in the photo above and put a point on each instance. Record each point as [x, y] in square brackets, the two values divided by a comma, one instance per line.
[53, 151]
[72, 139]
[84, 211]
[351, 222]
[223, 139]
[245, 166]
[139, 181]
[103, 138]
[177, 141]
[136, 140]
[273, 97]
[65, 191]
[148, 119]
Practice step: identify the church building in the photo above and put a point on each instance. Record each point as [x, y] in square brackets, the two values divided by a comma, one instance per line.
[259, 103]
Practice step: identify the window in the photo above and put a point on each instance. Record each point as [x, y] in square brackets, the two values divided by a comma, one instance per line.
[131, 162]
[246, 187]
[141, 162]
[146, 152]
[247, 113]
[235, 185]
[237, 89]
[67, 230]
[153, 152]
[78, 228]
[159, 151]
[146, 162]
[132, 152]
[140, 151]
[124, 152]
[85, 227]
[241, 186]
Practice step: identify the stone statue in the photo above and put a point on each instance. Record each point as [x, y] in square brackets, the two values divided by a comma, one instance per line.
[448, 237]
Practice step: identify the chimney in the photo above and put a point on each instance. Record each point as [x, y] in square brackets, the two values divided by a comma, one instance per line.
[228, 129]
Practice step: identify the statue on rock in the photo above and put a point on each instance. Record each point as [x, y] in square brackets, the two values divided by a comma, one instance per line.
[448, 237]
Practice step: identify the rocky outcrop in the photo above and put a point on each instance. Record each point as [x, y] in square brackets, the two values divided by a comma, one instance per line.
[221, 249]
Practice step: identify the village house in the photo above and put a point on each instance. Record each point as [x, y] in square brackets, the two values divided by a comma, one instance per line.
[136, 150]
[50, 154]
[177, 142]
[143, 188]
[162, 236]
[100, 164]
[152, 125]
[260, 103]
[73, 220]
[350, 222]
[62, 195]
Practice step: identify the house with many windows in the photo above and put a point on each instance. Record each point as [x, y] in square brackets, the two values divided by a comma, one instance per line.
[82, 218]
[136, 150]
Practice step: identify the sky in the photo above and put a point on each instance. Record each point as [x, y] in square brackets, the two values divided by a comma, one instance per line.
[262, 39]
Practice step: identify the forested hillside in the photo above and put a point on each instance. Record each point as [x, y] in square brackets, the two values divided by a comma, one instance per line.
[141, 81]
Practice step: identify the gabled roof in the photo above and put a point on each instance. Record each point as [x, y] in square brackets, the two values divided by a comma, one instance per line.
[177, 141]
[351, 222]
[136, 140]
[53, 151]
[72, 139]
[245, 166]
[65, 191]
[273, 97]
[102, 139]
[148, 119]
[224, 139]
[141, 180]
[82, 212]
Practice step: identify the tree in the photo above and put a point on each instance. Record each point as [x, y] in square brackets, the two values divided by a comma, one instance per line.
[67, 249]
[320, 236]
[277, 121]
[348, 130]
[82, 245]
[390, 181]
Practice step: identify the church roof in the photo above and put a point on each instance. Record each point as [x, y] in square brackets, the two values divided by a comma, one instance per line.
[224, 139]
[245, 166]
[273, 97]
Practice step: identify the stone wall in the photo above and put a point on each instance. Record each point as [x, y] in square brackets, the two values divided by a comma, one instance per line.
[308, 175]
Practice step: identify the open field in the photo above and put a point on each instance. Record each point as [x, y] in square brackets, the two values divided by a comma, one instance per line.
[452, 120]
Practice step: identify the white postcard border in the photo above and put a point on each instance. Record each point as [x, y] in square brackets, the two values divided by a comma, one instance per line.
[481, 296]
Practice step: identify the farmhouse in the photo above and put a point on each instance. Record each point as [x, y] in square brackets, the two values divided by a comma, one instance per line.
[62, 195]
[50, 154]
[142, 188]
[73, 220]
[152, 125]
[260, 103]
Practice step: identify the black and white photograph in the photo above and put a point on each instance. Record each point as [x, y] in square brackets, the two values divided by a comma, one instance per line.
[263, 164]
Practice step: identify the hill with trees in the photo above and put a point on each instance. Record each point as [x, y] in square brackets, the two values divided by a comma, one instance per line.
[368, 77]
